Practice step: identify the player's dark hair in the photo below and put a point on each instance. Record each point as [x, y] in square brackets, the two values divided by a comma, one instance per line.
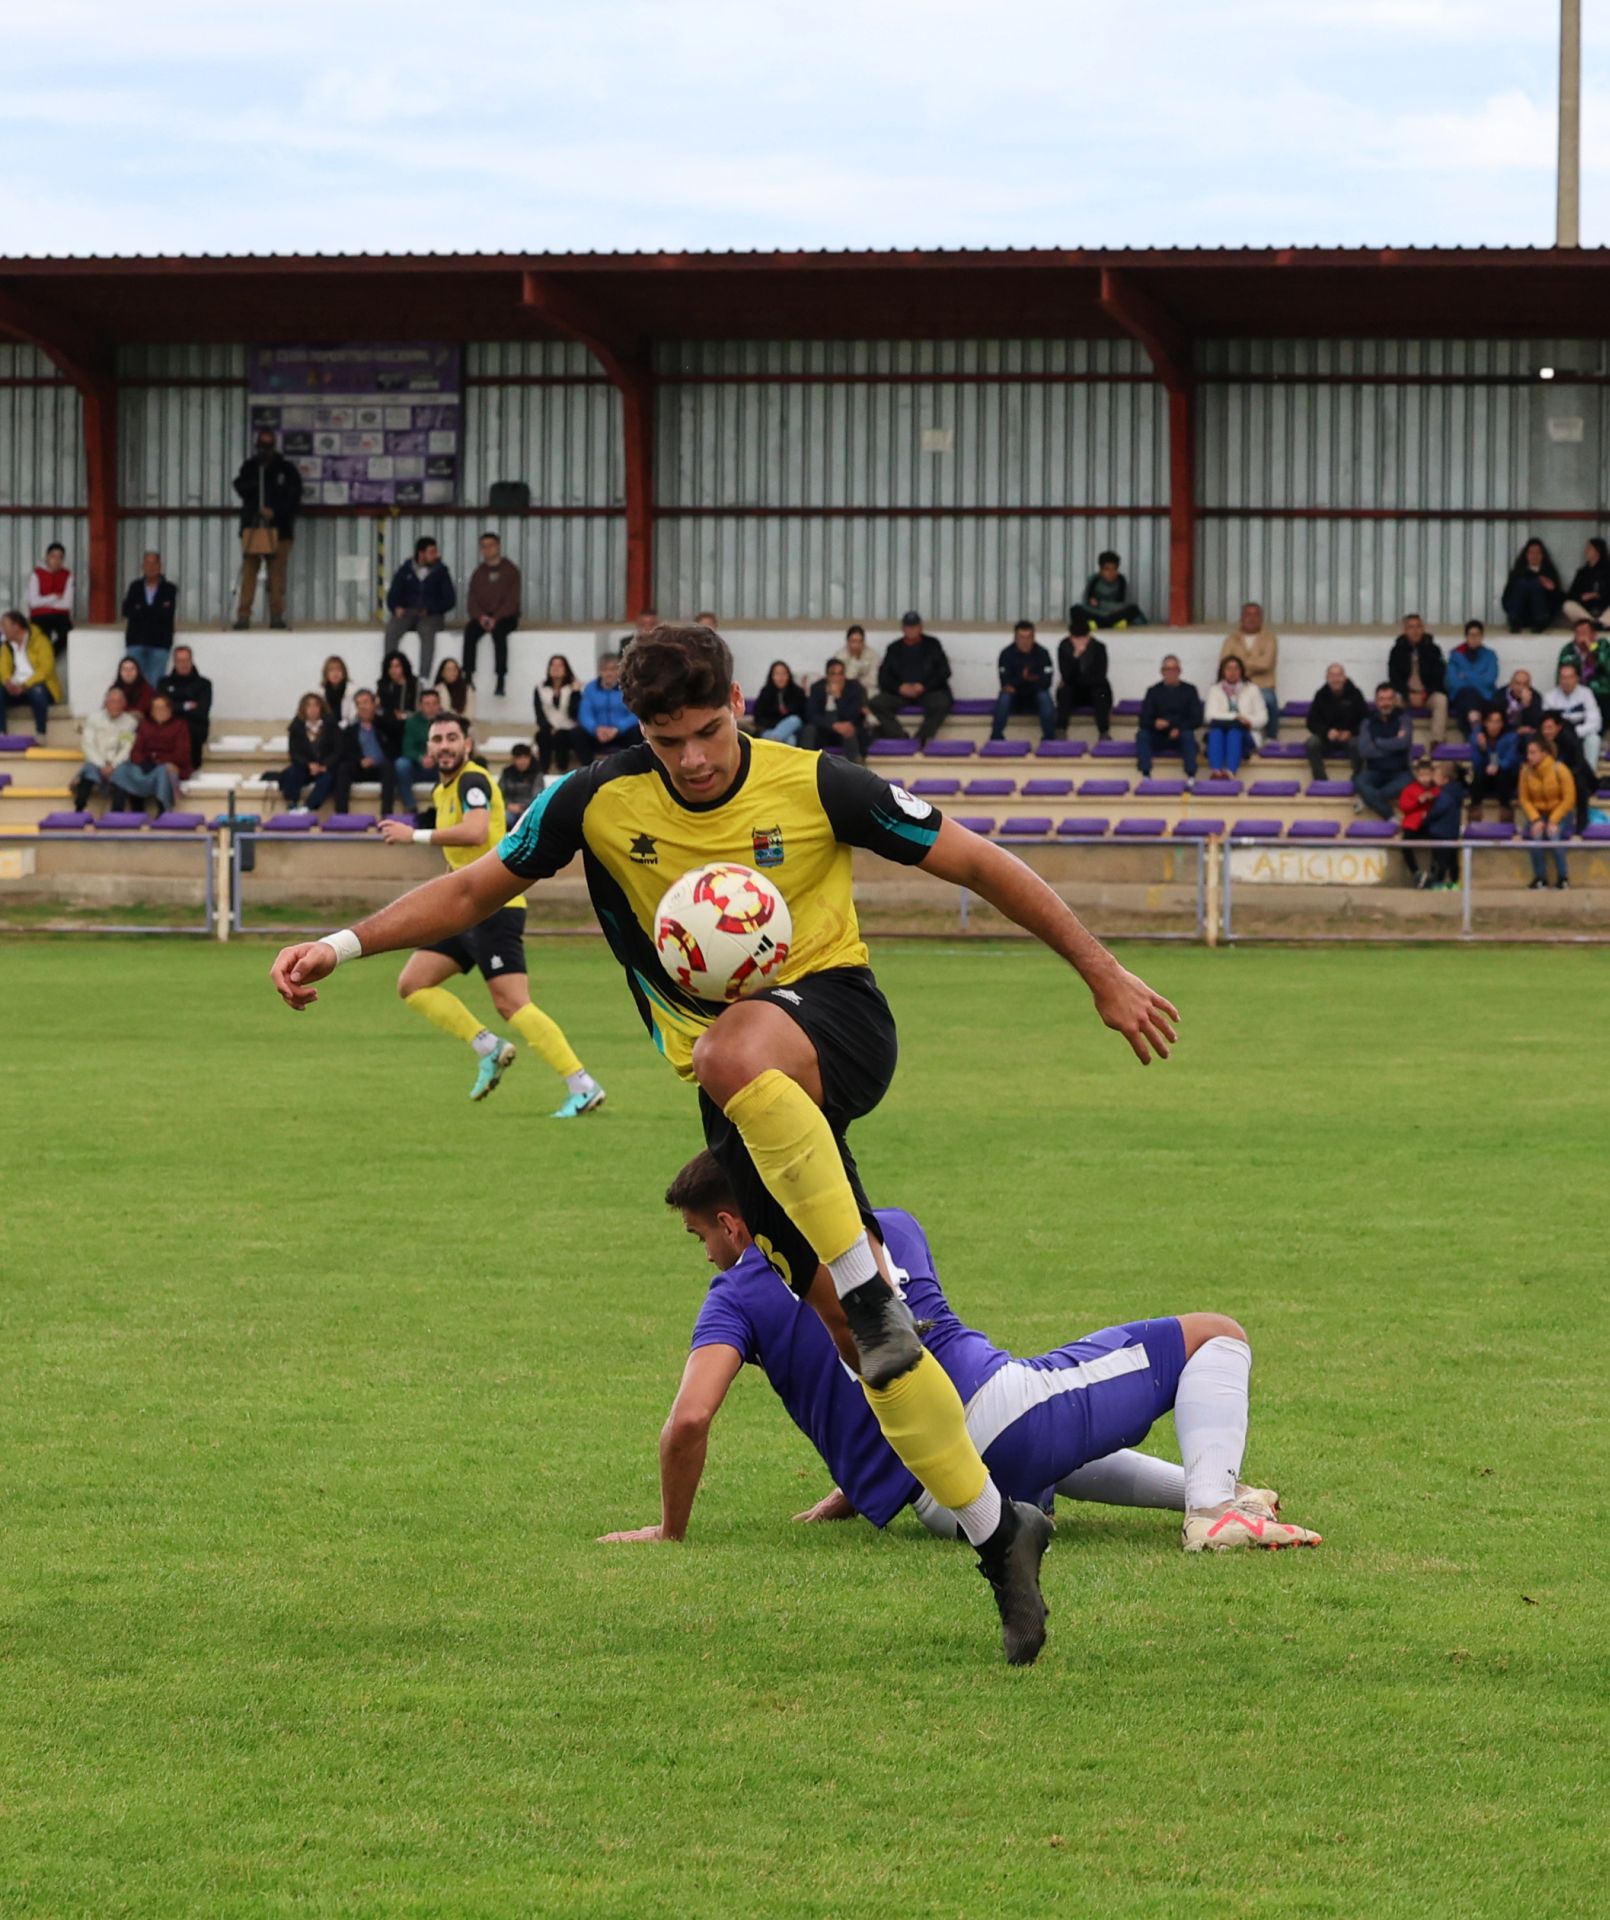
[672, 668]
[701, 1187]
[448, 718]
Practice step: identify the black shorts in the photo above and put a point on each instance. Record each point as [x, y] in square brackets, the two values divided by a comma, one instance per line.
[847, 1020]
[496, 945]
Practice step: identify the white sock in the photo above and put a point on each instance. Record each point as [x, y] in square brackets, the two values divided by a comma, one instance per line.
[485, 1042]
[854, 1269]
[581, 1081]
[1127, 1479]
[1210, 1417]
[980, 1517]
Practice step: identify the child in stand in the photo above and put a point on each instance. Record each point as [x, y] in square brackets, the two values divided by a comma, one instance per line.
[1432, 808]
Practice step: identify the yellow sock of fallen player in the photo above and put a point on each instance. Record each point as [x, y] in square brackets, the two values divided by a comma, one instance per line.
[796, 1155]
[544, 1037]
[445, 1010]
[921, 1417]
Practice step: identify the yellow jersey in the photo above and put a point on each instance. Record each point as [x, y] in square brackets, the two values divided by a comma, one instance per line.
[472, 790]
[794, 815]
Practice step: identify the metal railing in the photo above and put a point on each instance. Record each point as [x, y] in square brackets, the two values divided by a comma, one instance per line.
[203, 840]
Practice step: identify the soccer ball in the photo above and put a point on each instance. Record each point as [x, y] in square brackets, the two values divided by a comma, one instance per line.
[723, 931]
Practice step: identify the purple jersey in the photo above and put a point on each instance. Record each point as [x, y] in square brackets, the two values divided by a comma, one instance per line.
[967, 1356]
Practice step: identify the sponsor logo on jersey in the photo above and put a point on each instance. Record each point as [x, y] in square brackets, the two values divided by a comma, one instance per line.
[910, 805]
[786, 993]
[768, 843]
[644, 851]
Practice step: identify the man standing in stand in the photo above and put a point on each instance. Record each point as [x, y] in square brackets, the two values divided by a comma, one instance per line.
[270, 490]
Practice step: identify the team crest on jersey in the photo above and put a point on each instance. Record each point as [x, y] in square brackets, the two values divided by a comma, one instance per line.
[644, 851]
[768, 843]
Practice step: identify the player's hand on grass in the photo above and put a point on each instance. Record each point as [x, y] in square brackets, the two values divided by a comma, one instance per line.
[632, 1537]
[1130, 1007]
[296, 968]
[834, 1507]
[394, 832]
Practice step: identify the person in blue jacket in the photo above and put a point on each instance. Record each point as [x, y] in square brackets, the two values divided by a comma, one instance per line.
[604, 722]
[420, 598]
[1472, 684]
[1495, 762]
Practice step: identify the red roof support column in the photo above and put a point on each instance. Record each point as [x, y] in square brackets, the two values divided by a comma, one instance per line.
[1169, 348]
[630, 369]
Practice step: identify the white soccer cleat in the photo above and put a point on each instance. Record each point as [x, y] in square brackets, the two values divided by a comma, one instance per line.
[1241, 1524]
[1265, 1497]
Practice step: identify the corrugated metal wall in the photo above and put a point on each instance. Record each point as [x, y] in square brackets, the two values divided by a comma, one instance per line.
[1388, 447]
[42, 466]
[784, 446]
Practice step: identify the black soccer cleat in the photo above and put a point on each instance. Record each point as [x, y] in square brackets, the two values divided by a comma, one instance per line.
[1010, 1561]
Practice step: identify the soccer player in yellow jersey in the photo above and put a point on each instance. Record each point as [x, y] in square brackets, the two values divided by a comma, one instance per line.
[780, 1075]
[470, 817]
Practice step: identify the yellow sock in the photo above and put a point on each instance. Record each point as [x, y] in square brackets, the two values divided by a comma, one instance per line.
[797, 1157]
[445, 1010]
[921, 1417]
[543, 1036]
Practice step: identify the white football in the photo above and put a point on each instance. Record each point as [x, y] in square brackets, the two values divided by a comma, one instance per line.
[723, 931]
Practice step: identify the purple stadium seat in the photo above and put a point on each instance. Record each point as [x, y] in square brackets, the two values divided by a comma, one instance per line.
[1296, 709]
[1113, 750]
[1256, 830]
[1091, 829]
[1005, 749]
[1282, 750]
[402, 819]
[1450, 750]
[1061, 749]
[950, 749]
[1046, 789]
[1314, 830]
[1493, 830]
[932, 789]
[64, 822]
[1211, 789]
[1197, 829]
[5, 779]
[289, 823]
[1140, 829]
[1372, 830]
[974, 822]
[1273, 790]
[1330, 789]
[1030, 826]
[1159, 789]
[1103, 789]
[180, 822]
[1596, 830]
[15, 742]
[1128, 709]
[889, 749]
[349, 823]
[975, 707]
[988, 789]
[122, 820]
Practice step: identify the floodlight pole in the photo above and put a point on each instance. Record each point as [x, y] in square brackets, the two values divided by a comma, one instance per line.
[1568, 208]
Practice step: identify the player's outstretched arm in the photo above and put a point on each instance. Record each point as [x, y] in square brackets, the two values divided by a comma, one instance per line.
[436, 911]
[685, 1440]
[1124, 1001]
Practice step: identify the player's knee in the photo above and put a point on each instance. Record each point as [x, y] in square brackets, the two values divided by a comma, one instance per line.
[884, 1332]
[1200, 1328]
[724, 1063]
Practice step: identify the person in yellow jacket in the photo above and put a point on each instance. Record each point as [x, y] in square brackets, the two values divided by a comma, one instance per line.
[27, 669]
[1548, 802]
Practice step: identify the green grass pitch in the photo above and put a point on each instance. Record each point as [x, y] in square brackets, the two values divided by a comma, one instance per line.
[316, 1384]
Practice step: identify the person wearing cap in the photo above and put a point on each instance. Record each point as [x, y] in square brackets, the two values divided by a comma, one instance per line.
[915, 673]
[270, 489]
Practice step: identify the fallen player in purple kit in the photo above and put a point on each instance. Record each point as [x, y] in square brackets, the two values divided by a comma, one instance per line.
[1065, 1422]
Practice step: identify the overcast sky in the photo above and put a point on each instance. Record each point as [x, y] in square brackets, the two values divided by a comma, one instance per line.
[345, 126]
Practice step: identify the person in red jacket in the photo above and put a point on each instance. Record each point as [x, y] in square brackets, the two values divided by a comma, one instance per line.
[160, 762]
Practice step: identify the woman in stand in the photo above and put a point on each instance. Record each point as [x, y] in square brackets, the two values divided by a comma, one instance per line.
[557, 701]
[336, 691]
[1236, 718]
[1588, 596]
[458, 695]
[133, 685]
[780, 706]
[397, 695]
[1532, 594]
[315, 743]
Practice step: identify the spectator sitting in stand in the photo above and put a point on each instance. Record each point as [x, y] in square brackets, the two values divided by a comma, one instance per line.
[1107, 598]
[521, 779]
[1495, 764]
[50, 595]
[420, 598]
[363, 755]
[27, 671]
[315, 745]
[1235, 717]
[835, 714]
[1025, 675]
[1578, 705]
[780, 706]
[1522, 704]
[558, 701]
[415, 761]
[336, 689]
[642, 623]
[108, 740]
[457, 691]
[1386, 749]
[1559, 736]
[1430, 807]
[860, 669]
[604, 722]
[1588, 596]
[1419, 674]
[270, 489]
[159, 761]
[190, 695]
[707, 619]
[1532, 595]
[398, 694]
[1548, 802]
[150, 608]
[1472, 678]
[915, 672]
[1170, 716]
[1257, 647]
[494, 608]
[136, 690]
[1082, 671]
[1589, 651]
[1335, 715]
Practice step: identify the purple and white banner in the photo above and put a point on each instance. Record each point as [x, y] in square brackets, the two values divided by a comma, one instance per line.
[369, 426]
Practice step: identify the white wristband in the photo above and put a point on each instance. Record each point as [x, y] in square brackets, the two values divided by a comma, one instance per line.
[424, 836]
[344, 945]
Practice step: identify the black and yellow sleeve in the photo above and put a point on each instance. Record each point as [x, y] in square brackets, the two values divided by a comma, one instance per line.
[865, 810]
[547, 836]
